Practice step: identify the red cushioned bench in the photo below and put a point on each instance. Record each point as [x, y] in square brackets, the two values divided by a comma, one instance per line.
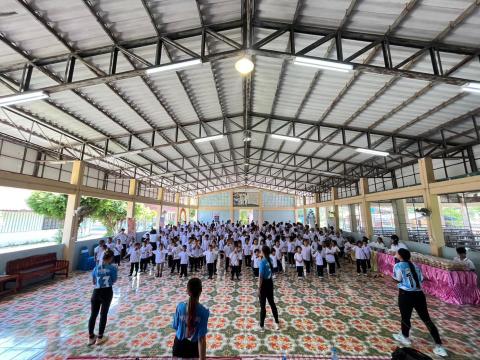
[37, 266]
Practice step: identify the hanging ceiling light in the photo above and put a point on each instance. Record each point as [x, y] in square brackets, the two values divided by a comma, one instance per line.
[244, 66]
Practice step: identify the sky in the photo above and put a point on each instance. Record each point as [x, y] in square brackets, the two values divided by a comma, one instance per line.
[13, 199]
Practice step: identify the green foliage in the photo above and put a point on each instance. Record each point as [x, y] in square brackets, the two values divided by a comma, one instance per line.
[48, 204]
[111, 213]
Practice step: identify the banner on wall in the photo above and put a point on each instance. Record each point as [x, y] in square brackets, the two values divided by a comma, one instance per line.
[245, 198]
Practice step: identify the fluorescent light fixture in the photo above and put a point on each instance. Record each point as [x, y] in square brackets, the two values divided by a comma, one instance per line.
[58, 162]
[20, 98]
[372, 152]
[471, 87]
[323, 64]
[174, 66]
[133, 152]
[244, 66]
[286, 138]
[209, 138]
[247, 139]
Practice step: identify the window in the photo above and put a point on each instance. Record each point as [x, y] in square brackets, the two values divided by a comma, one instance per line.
[344, 219]
[382, 218]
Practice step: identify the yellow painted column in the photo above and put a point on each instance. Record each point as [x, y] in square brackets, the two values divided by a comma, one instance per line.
[232, 214]
[158, 220]
[177, 203]
[434, 221]
[70, 226]
[335, 207]
[132, 192]
[317, 215]
[260, 208]
[365, 208]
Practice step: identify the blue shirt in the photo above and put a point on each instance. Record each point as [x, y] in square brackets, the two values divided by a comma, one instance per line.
[180, 322]
[264, 269]
[402, 273]
[104, 276]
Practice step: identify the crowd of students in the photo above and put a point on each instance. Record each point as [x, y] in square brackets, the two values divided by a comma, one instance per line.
[218, 249]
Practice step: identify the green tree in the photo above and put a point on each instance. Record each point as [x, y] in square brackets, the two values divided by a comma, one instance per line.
[48, 204]
[144, 214]
[111, 214]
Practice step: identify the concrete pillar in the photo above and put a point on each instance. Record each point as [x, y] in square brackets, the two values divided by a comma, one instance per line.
[177, 204]
[232, 214]
[158, 220]
[260, 208]
[365, 208]
[335, 207]
[353, 218]
[70, 226]
[132, 192]
[317, 216]
[400, 218]
[432, 202]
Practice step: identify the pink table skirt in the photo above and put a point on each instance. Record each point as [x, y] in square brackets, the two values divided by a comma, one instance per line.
[453, 287]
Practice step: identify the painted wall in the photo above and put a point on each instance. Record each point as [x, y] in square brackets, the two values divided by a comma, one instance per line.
[208, 215]
[217, 199]
[279, 215]
[273, 199]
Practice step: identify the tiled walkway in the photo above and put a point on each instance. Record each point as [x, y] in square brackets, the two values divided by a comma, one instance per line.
[49, 321]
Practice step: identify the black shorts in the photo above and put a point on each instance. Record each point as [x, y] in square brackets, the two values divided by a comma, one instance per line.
[185, 348]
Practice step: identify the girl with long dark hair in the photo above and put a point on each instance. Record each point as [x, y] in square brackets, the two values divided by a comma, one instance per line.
[265, 288]
[411, 296]
[190, 322]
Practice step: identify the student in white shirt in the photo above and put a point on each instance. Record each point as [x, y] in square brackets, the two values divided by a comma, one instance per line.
[235, 262]
[98, 251]
[117, 252]
[368, 252]
[209, 258]
[256, 262]
[123, 240]
[291, 252]
[247, 253]
[159, 253]
[307, 255]
[360, 258]
[330, 257]
[134, 253]
[396, 244]
[462, 257]
[177, 249]
[318, 254]
[278, 255]
[299, 261]
[273, 260]
[144, 256]
[183, 259]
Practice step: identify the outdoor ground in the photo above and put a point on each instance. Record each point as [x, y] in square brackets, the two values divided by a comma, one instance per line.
[358, 315]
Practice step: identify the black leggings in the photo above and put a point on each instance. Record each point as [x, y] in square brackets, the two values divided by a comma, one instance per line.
[185, 348]
[100, 301]
[409, 300]
[266, 293]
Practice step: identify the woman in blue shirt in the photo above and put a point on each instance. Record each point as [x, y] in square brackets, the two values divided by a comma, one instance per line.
[265, 288]
[190, 322]
[411, 296]
[103, 277]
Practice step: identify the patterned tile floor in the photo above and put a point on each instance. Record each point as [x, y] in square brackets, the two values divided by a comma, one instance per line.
[49, 321]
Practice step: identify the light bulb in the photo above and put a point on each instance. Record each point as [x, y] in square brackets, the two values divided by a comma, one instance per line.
[244, 66]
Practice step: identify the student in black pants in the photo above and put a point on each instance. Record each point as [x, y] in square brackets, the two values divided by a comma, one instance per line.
[411, 296]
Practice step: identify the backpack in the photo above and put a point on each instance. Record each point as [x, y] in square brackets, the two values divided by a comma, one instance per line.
[406, 353]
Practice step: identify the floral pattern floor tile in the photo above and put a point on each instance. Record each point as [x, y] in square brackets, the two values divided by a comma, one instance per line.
[356, 314]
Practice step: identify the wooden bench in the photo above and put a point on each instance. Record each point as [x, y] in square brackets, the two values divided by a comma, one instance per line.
[37, 266]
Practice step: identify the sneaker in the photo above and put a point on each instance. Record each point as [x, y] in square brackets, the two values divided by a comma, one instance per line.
[92, 340]
[101, 340]
[358, 274]
[402, 339]
[440, 350]
[277, 327]
[260, 329]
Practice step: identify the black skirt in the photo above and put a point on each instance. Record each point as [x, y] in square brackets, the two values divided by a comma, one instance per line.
[185, 348]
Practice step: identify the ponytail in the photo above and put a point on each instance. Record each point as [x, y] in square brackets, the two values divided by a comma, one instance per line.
[405, 255]
[194, 288]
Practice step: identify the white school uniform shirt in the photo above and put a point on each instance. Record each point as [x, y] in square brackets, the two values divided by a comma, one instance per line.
[283, 245]
[98, 251]
[399, 246]
[134, 255]
[256, 262]
[306, 253]
[183, 258]
[291, 247]
[123, 238]
[274, 261]
[209, 257]
[234, 259]
[278, 253]
[319, 258]
[144, 253]
[330, 255]
[469, 263]
[359, 253]
[298, 259]
[117, 249]
[348, 247]
[367, 251]
[159, 256]
[176, 252]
